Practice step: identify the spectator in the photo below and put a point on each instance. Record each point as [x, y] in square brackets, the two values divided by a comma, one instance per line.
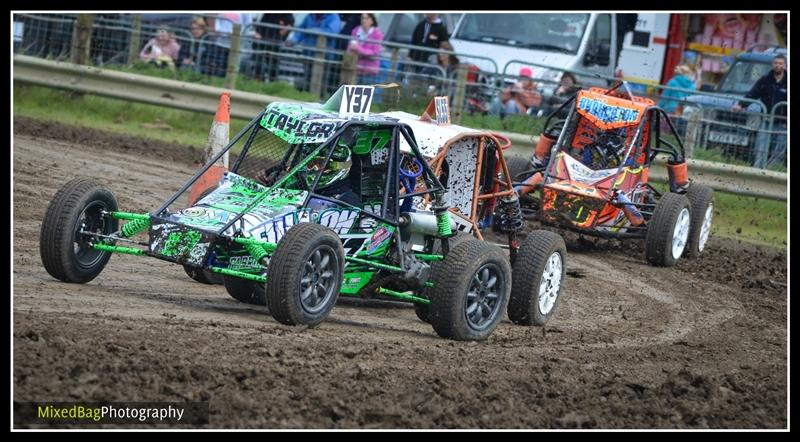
[349, 23]
[770, 90]
[519, 99]
[447, 64]
[431, 32]
[328, 23]
[567, 87]
[269, 40]
[218, 50]
[162, 50]
[368, 62]
[683, 79]
[191, 55]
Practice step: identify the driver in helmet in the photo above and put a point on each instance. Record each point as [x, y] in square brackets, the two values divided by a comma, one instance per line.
[605, 151]
[334, 181]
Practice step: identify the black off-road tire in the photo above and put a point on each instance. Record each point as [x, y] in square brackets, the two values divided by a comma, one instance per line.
[288, 266]
[423, 311]
[660, 229]
[541, 258]
[452, 281]
[517, 165]
[701, 198]
[61, 223]
[202, 276]
[249, 292]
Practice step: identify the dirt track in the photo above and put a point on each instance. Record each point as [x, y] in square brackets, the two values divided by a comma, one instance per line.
[702, 345]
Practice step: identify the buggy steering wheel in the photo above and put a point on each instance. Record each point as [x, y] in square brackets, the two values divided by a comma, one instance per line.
[603, 154]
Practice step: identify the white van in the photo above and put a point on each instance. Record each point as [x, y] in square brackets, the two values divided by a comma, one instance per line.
[583, 42]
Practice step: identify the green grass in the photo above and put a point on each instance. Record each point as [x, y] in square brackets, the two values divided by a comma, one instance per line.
[117, 116]
[278, 89]
[750, 219]
[753, 220]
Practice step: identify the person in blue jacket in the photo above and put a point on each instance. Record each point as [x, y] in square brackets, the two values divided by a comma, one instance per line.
[328, 23]
[683, 79]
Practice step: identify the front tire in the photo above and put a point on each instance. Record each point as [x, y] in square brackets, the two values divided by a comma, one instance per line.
[423, 311]
[470, 291]
[537, 278]
[66, 254]
[305, 275]
[668, 230]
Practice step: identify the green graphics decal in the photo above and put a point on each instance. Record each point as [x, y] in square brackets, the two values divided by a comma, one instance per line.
[244, 263]
[295, 124]
[355, 281]
[180, 243]
[371, 139]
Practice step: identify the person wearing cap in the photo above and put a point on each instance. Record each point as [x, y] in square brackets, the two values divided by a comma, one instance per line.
[520, 98]
[683, 79]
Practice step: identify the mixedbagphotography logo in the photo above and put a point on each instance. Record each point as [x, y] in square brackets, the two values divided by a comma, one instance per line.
[98, 413]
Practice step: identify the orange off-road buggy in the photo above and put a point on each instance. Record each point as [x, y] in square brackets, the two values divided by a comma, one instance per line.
[589, 173]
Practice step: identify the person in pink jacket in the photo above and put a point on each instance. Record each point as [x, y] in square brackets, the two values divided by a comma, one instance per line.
[162, 50]
[368, 62]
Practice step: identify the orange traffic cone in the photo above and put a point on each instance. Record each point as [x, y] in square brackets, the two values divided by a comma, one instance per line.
[218, 138]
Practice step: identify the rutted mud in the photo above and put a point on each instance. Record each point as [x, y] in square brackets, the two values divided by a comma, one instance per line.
[702, 345]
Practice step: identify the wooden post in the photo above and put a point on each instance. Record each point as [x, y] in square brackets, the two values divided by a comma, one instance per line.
[318, 68]
[233, 57]
[82, 39]
[136, 39]
[349, 68]
[459, 101]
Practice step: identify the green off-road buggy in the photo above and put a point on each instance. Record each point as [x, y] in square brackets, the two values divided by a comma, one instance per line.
[313, 206]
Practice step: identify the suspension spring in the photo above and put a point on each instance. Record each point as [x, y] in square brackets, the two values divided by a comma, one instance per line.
[255, 250]
[443, 223]
[508, 215]
[133, 227]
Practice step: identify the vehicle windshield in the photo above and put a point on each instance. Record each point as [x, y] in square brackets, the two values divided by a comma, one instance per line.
[742, 76]
[547, 32]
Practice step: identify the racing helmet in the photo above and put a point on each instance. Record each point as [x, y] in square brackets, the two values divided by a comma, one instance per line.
[337, 170]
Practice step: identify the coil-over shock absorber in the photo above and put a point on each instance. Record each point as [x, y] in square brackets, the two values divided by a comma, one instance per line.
[508, 215]
[135, 226]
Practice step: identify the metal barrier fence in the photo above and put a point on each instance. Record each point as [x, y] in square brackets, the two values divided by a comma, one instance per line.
[755, 136]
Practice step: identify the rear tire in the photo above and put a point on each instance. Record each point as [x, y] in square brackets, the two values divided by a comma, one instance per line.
[701, 199]
[201, 275]
[470, 292]
[537, 278]
[668, 230]
[249, 292]
[305, 275]
[66, 255]
[517, 165]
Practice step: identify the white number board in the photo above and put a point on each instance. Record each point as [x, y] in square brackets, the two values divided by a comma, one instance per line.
[356, 100]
